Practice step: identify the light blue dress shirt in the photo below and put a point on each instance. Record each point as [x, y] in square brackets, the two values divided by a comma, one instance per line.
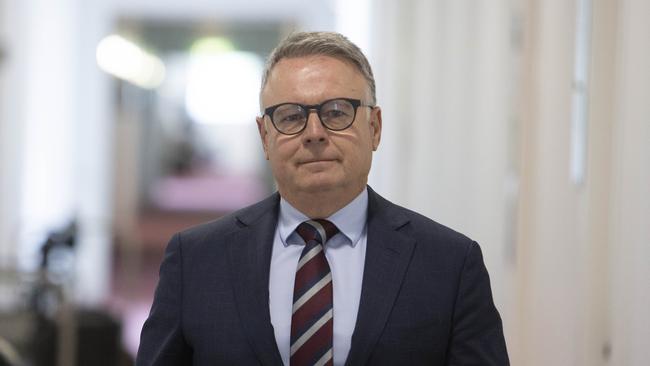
[345, 252]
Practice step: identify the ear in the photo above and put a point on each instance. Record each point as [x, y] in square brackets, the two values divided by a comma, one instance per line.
[375, 127]
[261, 128]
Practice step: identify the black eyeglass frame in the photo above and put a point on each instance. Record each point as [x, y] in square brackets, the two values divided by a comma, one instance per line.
[356, 103]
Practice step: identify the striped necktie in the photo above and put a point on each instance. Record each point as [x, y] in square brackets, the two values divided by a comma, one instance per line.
[312, 318]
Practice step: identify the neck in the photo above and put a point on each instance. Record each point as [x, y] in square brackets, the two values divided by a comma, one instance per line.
[321, 204]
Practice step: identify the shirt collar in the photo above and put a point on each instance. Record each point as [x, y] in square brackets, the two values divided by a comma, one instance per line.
[350, 220]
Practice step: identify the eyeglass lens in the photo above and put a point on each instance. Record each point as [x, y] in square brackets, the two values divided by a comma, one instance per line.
[335, 114]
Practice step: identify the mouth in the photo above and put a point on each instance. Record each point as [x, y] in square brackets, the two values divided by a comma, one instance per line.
[316, 161]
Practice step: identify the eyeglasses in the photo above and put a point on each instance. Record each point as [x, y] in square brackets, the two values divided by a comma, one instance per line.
[335, 114]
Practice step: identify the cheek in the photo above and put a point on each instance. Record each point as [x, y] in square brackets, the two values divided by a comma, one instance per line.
[358, 160]
[281, 152]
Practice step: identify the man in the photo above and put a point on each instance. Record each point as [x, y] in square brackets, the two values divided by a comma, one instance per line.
[325, 271]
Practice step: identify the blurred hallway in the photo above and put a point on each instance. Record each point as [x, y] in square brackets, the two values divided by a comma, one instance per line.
[522, 123]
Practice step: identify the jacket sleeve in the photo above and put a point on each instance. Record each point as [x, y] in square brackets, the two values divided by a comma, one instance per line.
[477, 333]
[161, 340]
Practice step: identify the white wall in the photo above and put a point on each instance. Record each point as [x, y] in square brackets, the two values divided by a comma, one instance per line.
[7, 181]
[55, 138]
[552, 208]
[582, 280]
[629, 240]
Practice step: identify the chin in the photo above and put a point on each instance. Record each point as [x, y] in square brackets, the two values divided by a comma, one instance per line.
[320, 185]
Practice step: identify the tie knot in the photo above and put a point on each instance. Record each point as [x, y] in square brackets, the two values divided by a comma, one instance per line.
[319, 230]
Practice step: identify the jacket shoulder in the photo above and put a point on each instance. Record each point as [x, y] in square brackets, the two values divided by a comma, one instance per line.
[414, 223]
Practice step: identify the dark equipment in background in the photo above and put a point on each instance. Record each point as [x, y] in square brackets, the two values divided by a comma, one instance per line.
[52, 330]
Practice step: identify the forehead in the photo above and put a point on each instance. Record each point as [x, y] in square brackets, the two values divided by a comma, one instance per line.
[312, 79]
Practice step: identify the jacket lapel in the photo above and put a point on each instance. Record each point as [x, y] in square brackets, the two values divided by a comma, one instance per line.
[388, 254]
[250, 258]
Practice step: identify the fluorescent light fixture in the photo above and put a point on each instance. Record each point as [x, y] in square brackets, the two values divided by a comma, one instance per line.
[222, 84]
[211, 45]
[128, 61]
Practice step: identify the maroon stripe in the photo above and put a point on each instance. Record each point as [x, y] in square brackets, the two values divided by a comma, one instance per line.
[310, 273]
[307, 232]
[309, 312]
[330, 228]
[320, 341]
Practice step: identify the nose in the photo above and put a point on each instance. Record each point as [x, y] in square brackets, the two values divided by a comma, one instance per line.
[314, 132]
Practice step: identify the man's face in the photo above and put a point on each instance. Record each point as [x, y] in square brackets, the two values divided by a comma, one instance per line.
[317, 159]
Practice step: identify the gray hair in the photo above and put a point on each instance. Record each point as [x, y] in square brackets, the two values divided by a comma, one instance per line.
[330, 44]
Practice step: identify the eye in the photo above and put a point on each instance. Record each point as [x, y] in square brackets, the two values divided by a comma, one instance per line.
[289, 113]
[337, 110]
[334, 113]
[296, 117]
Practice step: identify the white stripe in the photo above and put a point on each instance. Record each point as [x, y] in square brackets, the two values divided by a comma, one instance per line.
[311, 254]
[326, 357]
[311, 292]
[321, 230]
[310, 332]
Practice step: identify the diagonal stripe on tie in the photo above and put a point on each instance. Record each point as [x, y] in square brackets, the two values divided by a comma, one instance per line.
[312, 314]
[309, 313]
[309, 275]
[311, 292]
[314, 348]
[309, 255]
[320, 229]
[310, 332]
[325, 359]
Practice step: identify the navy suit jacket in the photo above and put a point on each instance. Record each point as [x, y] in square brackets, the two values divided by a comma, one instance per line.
[425, 298]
